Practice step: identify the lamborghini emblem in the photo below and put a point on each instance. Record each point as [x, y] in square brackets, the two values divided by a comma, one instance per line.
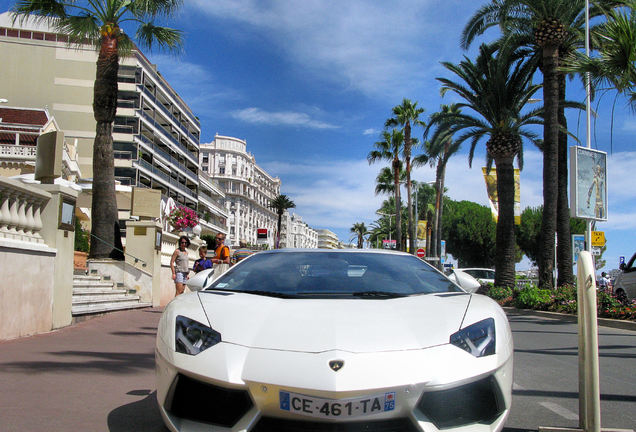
[336, 365]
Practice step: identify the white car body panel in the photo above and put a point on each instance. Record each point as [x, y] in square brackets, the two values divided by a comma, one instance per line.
[293, 325]
[272, 344]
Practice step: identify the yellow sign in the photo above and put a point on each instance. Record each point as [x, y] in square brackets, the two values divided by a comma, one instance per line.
[598, 238]
[491, 189]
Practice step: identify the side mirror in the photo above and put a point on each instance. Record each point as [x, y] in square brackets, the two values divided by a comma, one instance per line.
[466, 281]
[199, 280]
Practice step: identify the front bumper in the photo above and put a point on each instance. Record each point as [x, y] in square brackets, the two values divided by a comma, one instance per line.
[232, 388]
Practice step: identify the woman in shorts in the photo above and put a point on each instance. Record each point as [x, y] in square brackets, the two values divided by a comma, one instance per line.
[179, 264]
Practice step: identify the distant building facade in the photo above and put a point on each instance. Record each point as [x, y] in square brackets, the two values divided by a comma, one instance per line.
[248, 189]
[328, 240]
[297, 234]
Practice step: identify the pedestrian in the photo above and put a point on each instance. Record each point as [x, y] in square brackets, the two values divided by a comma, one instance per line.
[242, 252]
[179, 265]
[604, 282]
[203, 262]
[221, 252]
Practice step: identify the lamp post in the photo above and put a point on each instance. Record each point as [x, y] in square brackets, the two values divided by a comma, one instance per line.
[389, 215]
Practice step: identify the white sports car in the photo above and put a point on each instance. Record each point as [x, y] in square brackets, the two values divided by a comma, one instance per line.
[333, 340]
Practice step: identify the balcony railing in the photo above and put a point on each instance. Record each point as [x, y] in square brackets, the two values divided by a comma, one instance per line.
[21, 211]
[18, 152]
[169, 137]
[166, 112]
[155, 148]
[166, 178]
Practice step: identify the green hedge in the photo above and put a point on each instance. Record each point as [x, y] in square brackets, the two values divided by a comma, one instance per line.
[563, 299]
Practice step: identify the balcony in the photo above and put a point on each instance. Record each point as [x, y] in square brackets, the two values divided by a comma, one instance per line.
[145, 117]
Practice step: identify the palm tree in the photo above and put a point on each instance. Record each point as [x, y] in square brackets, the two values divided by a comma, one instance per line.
[546, 29]
[616, 64]
[495, 88]
[359, 231]
[385, 181]
[389, 149]
[98, 22]
[279, 205]
[407, 115]
[440, 151]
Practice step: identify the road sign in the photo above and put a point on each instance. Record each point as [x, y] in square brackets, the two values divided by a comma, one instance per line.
[621, 260]
[421, 253]
[598, 238]
[596, 251]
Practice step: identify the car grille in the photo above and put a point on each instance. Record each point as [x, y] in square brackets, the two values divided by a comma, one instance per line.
[477, 402]
[203, 402]
[271, 424]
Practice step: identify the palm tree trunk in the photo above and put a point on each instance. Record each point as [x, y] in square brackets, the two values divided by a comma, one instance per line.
[104, 215]
[436, 241]
[409, 202]
[550, 164]
[280, 223]
[564, 243]
[398, 209]
[505, 256]
[440, 211]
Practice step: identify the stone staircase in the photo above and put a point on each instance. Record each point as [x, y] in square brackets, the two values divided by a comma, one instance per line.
[95, 294]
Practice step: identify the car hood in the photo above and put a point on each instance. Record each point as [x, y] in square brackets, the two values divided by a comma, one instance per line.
[318, 325]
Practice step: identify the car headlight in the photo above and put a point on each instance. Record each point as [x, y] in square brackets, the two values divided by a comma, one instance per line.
[477, 339]
[192, 337]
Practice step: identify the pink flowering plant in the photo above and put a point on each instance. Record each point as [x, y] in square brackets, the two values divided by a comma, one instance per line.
[183, 217]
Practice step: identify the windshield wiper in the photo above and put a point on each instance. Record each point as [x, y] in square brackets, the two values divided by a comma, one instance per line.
[267, 293]
[377, 294]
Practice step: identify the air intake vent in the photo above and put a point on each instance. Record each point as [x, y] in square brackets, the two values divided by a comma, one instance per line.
[478, 402]
[202, 402]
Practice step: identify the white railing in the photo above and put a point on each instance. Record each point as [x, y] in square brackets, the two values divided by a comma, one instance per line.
[20, 211]
[17, 152]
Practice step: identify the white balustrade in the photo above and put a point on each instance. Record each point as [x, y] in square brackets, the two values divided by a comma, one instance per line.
[20, 211]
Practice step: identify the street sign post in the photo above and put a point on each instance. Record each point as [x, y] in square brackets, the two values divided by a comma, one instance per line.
[598, 238]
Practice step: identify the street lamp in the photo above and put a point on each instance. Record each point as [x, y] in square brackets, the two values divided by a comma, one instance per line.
[389, 215]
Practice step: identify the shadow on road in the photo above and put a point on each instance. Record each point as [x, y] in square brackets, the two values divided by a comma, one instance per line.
[574, 395]
[82, 361]
[142, 415]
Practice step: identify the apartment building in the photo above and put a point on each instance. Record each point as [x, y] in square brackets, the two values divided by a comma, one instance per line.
[155, 137]
[295, 233]
[248, 189]
[328, 240]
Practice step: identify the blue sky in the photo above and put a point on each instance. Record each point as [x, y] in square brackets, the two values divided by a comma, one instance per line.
[309, 85]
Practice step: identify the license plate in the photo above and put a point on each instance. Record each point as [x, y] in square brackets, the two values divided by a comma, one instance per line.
[336, 408]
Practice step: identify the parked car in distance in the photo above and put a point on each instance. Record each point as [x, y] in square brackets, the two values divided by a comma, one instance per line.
[625, 282]
[483, 275]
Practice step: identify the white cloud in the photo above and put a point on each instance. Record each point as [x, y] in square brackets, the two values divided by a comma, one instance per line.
[378, 48]
[281, 118]
[331, 194]
[371, 131]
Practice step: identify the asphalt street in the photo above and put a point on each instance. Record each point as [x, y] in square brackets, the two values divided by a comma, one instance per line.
[98, 375]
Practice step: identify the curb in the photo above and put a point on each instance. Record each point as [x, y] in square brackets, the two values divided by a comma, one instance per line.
[605, 322]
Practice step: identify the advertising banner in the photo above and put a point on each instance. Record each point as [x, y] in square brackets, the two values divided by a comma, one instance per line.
[421, 233]
[578, 245]
[491, 189]
[588, 183]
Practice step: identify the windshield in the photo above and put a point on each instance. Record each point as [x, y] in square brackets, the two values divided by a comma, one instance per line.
[334, 274]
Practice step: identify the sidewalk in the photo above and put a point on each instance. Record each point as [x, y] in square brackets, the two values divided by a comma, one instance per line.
[97, 375]
[605, 322]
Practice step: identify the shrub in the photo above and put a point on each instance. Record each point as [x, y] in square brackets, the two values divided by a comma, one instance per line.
[82, 243]
[565, 299]
[499, 293]
[531, 297]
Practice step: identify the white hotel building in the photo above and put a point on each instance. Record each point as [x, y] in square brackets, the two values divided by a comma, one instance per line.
[297, 234]
[248, 189]
[156, 135]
